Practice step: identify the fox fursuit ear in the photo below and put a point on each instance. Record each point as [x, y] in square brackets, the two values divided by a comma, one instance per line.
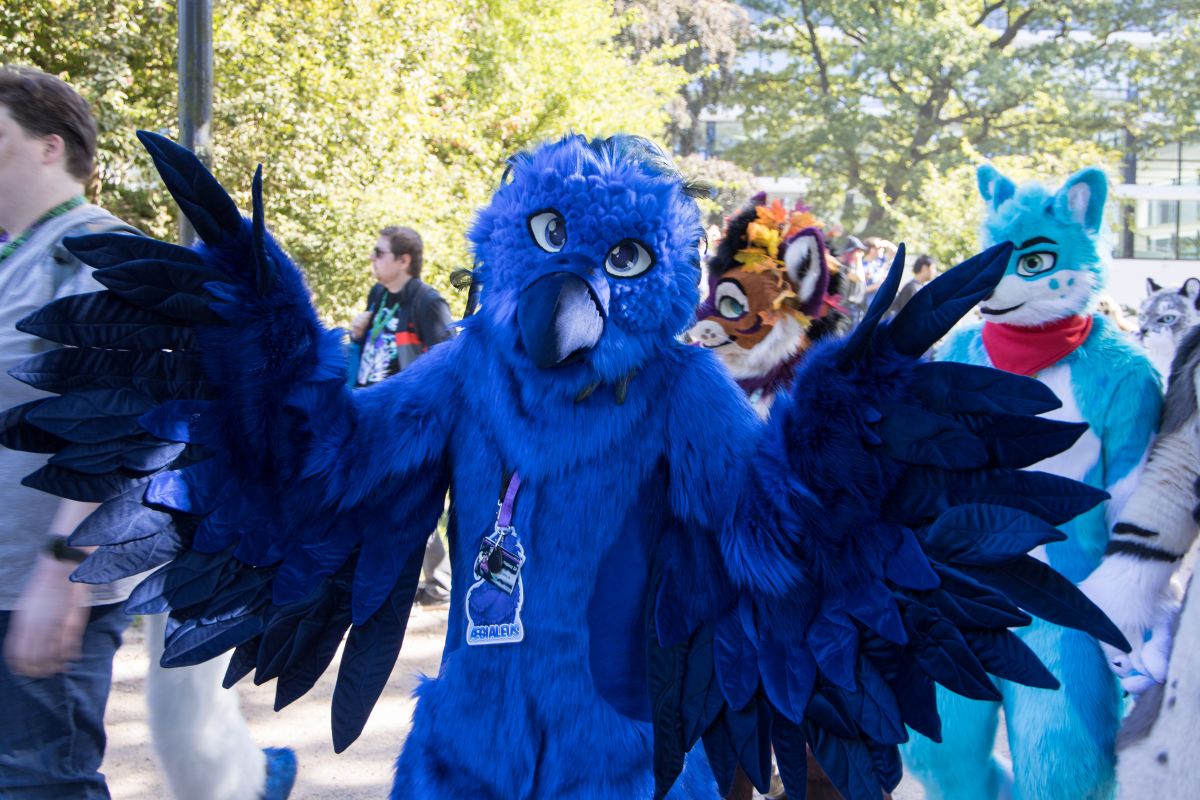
[1081, 199]
[1151, 286]
[805, 262]
[994, 187]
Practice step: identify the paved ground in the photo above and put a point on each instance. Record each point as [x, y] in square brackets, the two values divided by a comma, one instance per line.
[363, 772]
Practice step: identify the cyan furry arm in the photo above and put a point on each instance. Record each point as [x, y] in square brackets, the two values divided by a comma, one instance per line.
[1130, 421]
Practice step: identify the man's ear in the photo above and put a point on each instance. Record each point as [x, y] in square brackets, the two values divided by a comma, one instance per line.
[54, 149]
[405, 262]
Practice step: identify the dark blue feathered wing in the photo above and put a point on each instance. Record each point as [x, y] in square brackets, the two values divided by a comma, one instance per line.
[229, 501]
[895, 487]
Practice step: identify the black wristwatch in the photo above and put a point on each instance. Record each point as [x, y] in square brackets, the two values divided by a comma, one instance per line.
[58, 548]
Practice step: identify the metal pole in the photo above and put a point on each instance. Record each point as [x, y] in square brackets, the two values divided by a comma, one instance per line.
[1129, 170]
[195, 87]
[1178, 203]
[1128, 207]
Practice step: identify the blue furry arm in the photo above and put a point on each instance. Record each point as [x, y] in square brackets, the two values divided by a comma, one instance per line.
[354, 470]
[203, 405]
[711, 438]
[399, 427]
[288, 445]
[745, 485]
[875, 538]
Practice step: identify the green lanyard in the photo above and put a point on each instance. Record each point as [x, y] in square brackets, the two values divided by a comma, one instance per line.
[383, 315]
[9, 248]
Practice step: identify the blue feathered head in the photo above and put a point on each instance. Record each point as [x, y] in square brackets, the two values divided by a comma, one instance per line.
[1060, 258]
[588, 256]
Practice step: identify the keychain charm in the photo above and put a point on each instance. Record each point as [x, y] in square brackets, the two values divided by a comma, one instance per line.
[500, 559]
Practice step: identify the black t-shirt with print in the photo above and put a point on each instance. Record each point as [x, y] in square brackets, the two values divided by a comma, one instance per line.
[403, 325]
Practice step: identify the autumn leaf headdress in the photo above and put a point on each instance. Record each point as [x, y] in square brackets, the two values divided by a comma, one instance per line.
[755, 240]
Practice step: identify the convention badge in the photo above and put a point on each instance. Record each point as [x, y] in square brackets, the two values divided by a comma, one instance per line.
[495, 598]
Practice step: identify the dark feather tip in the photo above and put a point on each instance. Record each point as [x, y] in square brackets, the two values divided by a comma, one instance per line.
[207, 206]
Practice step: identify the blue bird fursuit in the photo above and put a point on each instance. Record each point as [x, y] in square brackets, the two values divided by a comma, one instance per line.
[659, 586]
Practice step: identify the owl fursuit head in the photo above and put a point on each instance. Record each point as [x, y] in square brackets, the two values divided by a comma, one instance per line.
[772, 293]
[1164, 317]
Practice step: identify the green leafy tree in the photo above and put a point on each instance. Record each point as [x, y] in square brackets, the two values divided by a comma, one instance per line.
[881, 103]
[946, 221]
[364, 113]
[704, 38]
[121, 57]
[731, 185]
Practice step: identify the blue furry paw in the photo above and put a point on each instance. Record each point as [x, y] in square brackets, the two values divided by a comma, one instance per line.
[281, 773]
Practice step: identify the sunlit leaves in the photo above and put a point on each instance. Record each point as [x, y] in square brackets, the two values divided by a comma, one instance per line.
[885, 106]
[364, 113]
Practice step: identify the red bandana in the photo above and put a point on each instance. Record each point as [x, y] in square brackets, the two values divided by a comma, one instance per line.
[1028, 351]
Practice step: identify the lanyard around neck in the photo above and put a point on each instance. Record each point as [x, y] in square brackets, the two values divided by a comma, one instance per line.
[7, 248]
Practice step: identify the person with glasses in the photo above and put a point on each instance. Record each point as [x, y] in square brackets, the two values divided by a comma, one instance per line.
[404, 317]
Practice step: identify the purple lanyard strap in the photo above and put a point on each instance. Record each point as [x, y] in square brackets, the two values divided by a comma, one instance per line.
[504, 520]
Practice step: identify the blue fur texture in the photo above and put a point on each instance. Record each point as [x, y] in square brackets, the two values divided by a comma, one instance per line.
[691, 574]
[1062, 742]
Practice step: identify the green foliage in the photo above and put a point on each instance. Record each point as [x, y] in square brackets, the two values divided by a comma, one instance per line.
[121, 57]
[945, 223]
[887, 106]
[704, 38]
[364, 113]
[732, 185]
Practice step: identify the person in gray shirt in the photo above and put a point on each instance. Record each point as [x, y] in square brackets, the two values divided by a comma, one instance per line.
[923, 270]
[59, 637]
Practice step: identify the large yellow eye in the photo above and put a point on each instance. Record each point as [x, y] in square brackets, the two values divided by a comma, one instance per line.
[549, 230]
[1032, 264]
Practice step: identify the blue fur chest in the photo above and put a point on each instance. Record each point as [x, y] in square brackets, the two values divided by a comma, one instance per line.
[588, 519]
